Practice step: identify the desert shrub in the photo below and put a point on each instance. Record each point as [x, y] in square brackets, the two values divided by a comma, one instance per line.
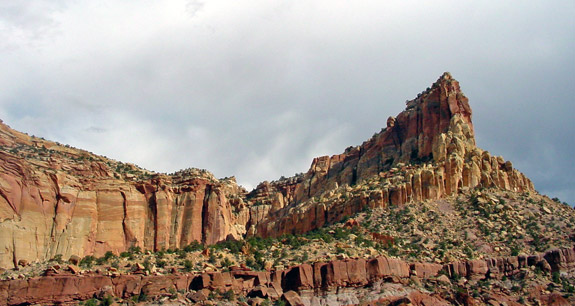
[515, 250]
[100, 260]
[142, 297]
[293, 241]
[161, 263]
[194, 246]
[57, 258]
[266, 303]
[147, 265]
[107, 301]
[556, 277]
[320, 234]
[258, 262]
[340, 234]
[235, 246]
[108, 255]
[305, 257]
[229, 295]
[260, 243]
[91, 302]
[361, 241]
[135, 250]
[172, 251]
[226, 263]
[87, 261]
[188, 265]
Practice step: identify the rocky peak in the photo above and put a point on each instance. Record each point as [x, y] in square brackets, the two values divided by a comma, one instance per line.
[428, 151]
[408, 138]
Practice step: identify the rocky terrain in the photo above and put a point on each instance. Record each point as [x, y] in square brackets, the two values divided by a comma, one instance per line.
[417, 213]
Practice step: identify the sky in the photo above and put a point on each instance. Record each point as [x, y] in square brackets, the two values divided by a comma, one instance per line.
[256, 89]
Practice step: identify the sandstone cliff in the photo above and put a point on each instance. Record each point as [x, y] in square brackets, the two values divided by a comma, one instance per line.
[426, 153]
[60, 200]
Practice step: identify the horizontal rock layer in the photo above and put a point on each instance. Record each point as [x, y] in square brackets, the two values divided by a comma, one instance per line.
[302, 278]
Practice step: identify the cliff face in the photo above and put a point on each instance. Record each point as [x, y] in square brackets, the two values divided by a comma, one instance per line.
[426, 153]
[60, 200]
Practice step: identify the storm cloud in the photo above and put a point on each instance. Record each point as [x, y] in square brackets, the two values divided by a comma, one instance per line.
[257, 89]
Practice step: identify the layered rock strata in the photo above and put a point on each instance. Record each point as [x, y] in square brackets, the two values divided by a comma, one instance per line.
[70, 203]
[304, 280]
[59, 200]
[426, 153]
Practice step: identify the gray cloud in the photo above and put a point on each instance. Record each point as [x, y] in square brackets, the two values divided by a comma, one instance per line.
[257, 90]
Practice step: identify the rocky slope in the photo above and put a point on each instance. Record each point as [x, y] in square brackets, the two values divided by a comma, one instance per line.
[57, 200]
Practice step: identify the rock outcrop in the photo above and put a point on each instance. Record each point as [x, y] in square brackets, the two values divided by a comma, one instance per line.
[297, 282]
[426, 153]
[60, 200]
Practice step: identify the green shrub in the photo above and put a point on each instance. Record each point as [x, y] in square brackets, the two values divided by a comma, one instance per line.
[91, 302]
[305, 257]
[556, 277]
[226, 263]
[107, 301]
[147, 264]
[194, 246]
[235, 246]
[188, 265]
[87, 261]
[161, 263]
[109, 255]
[135, 250]
[142, 297]
[229, 295]
[57, 258]
[259, 243]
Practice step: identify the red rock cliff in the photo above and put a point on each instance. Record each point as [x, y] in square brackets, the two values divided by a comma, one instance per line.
[60, 200]
[428, 151]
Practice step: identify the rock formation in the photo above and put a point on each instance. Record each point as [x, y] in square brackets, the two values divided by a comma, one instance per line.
[426, 153]
[302, 280]
[59, 200]
[70, 203]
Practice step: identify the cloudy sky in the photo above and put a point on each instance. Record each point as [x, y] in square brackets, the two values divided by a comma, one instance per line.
[257, 88]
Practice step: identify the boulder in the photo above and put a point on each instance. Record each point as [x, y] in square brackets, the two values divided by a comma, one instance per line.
[292, 298]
